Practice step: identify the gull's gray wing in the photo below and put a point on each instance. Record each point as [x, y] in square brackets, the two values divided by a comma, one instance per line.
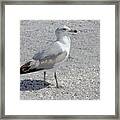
[38, 55]
[53, 49]
[49, 57]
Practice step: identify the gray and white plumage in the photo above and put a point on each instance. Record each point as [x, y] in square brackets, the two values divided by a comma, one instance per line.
[48, 58]
[51, 57]
[54, 55]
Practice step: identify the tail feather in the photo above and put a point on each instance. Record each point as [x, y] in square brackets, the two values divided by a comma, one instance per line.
[26, 68]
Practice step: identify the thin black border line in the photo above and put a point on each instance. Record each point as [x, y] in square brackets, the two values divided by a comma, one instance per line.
[3, 60]
[60, 2]
[116, 59]
[0, 66]
[60, 117]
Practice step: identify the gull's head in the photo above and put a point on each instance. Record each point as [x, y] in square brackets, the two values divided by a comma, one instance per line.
[63, 31]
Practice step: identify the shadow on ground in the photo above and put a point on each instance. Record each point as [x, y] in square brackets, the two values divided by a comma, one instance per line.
[28, 85]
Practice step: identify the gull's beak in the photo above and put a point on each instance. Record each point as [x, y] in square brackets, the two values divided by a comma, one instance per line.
[73, 31]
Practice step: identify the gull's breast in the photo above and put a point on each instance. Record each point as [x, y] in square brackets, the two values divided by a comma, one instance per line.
[66, 49]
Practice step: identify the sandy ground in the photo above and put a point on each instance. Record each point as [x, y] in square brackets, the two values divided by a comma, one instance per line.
[78, 77]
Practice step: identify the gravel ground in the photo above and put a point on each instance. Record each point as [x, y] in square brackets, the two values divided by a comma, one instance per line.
[78, 77]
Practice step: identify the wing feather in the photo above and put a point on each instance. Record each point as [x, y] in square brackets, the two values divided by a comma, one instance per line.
[45, 59]
[49, 57]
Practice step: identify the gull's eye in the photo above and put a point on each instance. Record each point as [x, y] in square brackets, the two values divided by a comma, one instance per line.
[64, 28]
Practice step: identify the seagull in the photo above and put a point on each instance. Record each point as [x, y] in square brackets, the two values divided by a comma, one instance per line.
[51, 57]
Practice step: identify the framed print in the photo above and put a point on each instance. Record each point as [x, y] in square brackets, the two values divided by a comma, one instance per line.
[60, 60]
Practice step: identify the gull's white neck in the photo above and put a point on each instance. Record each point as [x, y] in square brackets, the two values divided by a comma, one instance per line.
[64, 40]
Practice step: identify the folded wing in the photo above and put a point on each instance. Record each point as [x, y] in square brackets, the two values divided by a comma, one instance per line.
[45, 59]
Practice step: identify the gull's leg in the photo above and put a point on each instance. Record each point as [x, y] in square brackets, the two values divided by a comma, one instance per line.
[44, 77]
[56, 79]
